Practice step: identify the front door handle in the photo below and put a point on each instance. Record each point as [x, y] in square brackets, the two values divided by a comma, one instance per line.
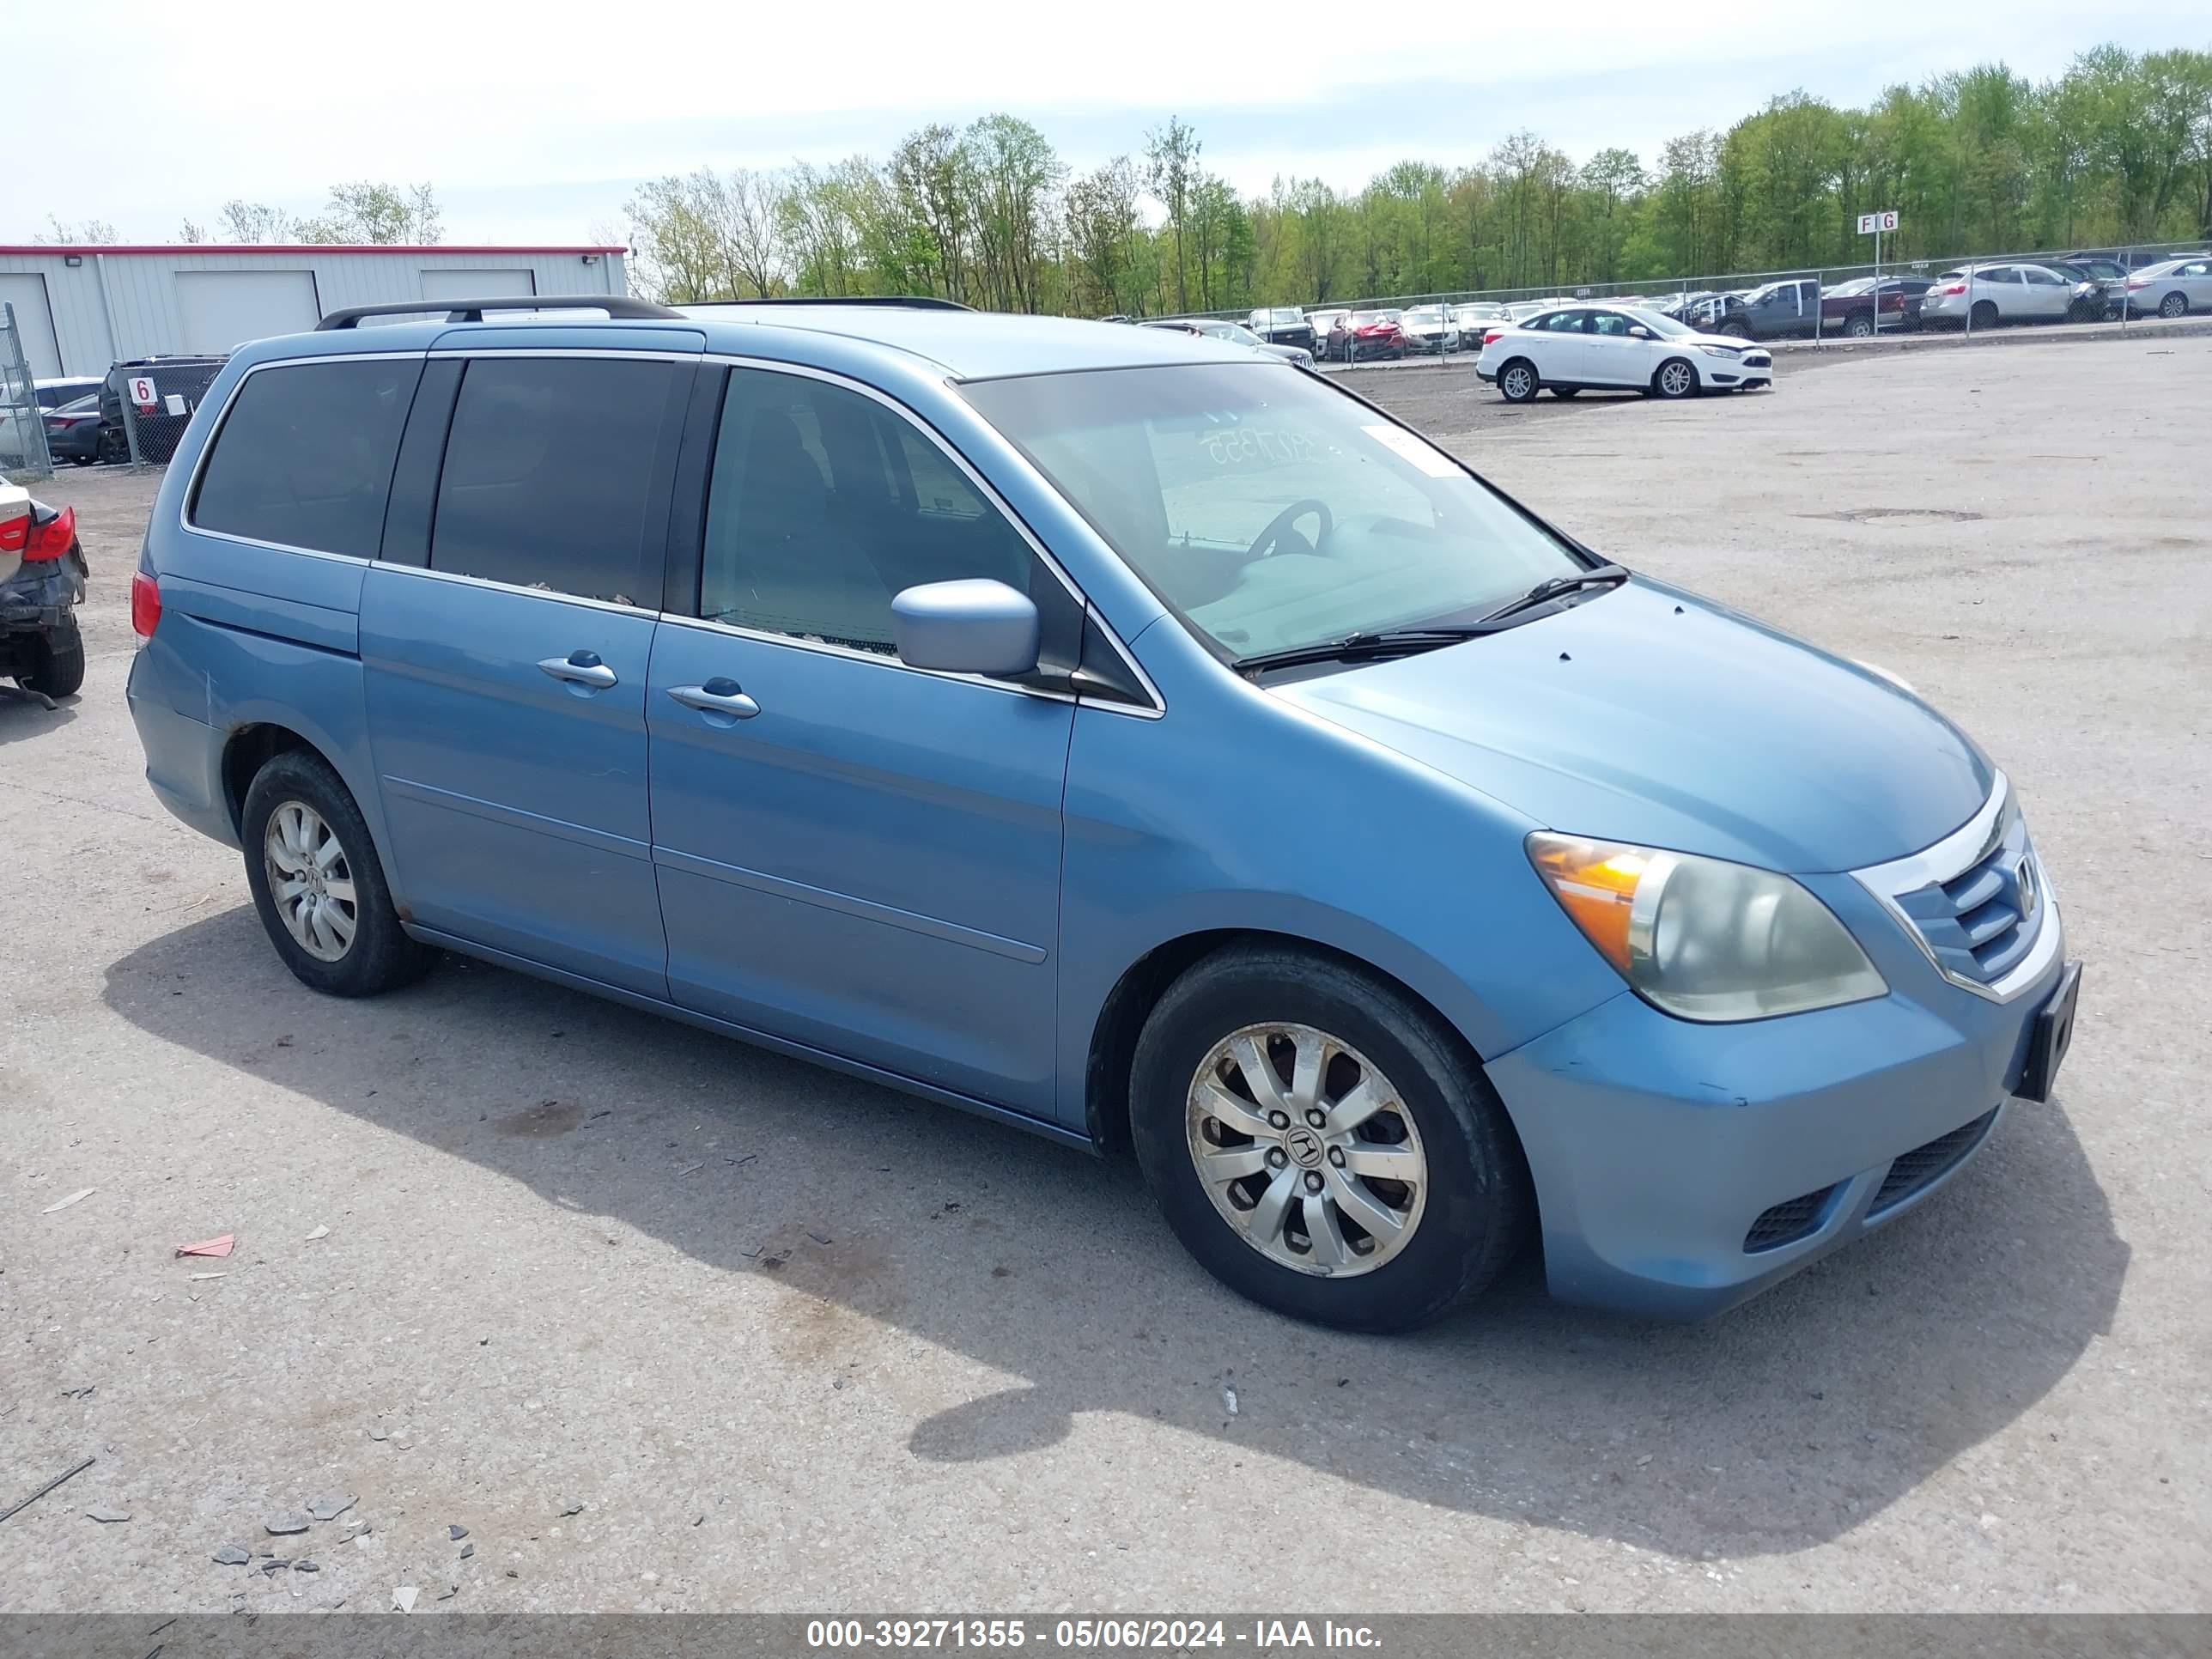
[579, 668]
[718, 696]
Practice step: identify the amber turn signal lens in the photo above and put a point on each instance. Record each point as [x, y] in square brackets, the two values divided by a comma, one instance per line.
[1595, 882]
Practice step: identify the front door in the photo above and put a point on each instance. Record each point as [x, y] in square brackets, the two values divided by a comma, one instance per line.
[1616, 357]
[852, 854]
[2049, 294]
[507, 674]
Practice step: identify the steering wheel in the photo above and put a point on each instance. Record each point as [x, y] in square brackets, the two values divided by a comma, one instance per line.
[1263, 545]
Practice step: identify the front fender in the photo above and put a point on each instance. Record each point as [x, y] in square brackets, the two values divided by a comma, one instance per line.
[1236, 810]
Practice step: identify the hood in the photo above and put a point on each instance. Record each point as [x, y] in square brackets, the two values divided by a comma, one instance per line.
[1733, 342]
[1647, 714]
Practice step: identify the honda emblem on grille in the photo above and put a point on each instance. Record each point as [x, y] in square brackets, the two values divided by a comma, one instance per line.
[2023, 881]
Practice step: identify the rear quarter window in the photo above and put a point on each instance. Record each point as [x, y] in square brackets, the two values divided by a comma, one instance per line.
[304, 457]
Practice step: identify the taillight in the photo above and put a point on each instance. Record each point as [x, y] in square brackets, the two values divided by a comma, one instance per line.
[54, 537]
[1954, 288]
[145, 605]
[1494, 334]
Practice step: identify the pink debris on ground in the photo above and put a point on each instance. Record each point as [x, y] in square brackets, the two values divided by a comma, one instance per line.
[222, 1246]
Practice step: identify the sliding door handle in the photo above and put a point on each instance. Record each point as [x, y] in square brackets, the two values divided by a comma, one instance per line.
[718, 696]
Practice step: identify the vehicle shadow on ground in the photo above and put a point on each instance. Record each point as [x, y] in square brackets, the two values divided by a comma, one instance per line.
[23, 718]
[1777, 1427]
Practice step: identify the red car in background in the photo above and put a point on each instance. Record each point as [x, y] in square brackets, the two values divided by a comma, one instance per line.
[1367, 334]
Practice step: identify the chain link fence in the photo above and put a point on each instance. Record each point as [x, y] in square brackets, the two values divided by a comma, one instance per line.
[145, 406]
[1822, 302]
[22, 422]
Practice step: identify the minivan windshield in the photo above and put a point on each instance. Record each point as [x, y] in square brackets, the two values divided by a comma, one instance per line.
[1269, 510]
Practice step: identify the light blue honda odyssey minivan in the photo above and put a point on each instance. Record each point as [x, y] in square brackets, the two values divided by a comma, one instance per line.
[1122, 735]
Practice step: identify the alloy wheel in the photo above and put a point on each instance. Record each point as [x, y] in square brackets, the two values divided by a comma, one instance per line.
[2174, 305]
[1306, 1149]
[1674, 379]
[1515, 382]
[311, 881]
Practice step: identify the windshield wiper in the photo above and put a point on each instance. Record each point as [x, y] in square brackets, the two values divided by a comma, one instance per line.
[1404, 641]
[1383, 642]
[1544, 591]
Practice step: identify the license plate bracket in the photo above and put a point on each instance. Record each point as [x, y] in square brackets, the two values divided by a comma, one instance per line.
[2051, 1037]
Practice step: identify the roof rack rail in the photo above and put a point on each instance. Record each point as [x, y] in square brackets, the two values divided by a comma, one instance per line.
[472, 311]
[907, 301]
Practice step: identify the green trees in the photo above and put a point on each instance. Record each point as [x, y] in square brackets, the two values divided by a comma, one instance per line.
[2118, 148]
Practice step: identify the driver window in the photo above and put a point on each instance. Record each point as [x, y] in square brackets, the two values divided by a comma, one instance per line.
[824, 504]
[1609, 323]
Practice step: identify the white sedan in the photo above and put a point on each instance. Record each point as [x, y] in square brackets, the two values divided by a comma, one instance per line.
[1579, 348]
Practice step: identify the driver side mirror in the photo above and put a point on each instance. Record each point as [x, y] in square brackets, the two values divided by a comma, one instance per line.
[1637, 331]
[973, 627]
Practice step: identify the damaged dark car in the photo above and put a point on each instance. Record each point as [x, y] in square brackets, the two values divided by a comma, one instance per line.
[42, 577]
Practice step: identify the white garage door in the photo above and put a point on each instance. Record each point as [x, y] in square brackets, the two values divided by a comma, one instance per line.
[476, 284]
[224, 309]
[34, 322]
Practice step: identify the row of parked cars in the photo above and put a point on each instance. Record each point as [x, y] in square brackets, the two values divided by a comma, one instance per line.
[1344, 335]
[2081, 288]
[2087, 286]
[83, 414]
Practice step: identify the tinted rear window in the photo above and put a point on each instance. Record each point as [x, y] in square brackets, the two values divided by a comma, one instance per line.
[549, 472]
[305, 456]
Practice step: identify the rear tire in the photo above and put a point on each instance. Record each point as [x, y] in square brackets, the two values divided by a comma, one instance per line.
[1296, 1243]
[1518, 381]
[349, 943]
[2174, 305]
[1985, 314]
[60, 669]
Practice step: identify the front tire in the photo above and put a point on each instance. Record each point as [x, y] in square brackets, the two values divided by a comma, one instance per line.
[1674, 379]
[318, 885]
[1322, 1144]
[60, 668]
[1518, 381]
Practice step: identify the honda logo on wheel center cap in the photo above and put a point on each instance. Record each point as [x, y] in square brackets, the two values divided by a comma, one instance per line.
[1305, 1147]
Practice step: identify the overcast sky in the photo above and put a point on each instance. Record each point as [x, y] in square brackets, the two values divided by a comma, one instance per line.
[537, 131]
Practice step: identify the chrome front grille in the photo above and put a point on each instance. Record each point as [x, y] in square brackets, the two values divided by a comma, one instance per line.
[1976, 902]
[1978, 924]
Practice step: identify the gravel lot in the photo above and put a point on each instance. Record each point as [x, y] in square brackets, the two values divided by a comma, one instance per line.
[795, 1342]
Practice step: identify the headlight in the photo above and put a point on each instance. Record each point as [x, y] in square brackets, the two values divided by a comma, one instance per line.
[1701, 938]
[1720, 350]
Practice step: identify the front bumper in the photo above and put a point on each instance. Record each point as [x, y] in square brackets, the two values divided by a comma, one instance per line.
[1669, 1158]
